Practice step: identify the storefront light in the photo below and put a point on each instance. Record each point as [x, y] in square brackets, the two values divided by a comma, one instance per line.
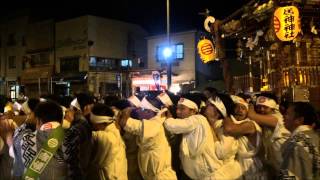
[175, 88]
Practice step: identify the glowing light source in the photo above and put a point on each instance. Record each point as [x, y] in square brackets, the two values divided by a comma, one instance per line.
[286, 22]
[167, 52]
[175, 88]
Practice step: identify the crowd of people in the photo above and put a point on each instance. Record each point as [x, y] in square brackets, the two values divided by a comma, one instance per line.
[202, 136]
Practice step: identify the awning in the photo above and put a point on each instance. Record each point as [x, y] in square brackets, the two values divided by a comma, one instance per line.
[71, 77]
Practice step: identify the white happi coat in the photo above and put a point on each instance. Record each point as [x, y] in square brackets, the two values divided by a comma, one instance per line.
[197, 153]
[109, 160]
[251, 164]
[272, 141]
[226, 149]
[301, 153]
[154, 156]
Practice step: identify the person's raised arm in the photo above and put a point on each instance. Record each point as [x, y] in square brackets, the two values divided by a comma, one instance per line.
[233, 129]
[263, 120]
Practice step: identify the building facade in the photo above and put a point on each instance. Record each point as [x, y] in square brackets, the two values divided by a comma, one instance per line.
[12, 51]
[188, 71]
[87, 53]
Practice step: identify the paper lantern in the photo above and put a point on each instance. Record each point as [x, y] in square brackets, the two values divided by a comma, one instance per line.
[206, 50]
[286, 23]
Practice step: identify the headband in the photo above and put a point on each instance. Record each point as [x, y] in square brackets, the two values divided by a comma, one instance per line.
[134, 100]
[97, 119]
[75, 104]
[264, 101]
[145, 104]
[190, 104]
[219, 105]
[239, 100]
[165, 99]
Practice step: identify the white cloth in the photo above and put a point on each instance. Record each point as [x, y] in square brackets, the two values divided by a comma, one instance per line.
[95, 119]
[134, 101]
[154, 156]
[273, 141]
[25, 108]
[239, 100]
[219, 105]
[197, 154]
[251, 164]
[165, 99]
[109, 161]
[261, 100]
[188, 103]
[145, 104]
[16, 106]
[226, 149]
[301, 154]
[75, 104]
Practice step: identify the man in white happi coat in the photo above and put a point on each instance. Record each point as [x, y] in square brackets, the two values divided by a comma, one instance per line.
[248, 134]
[197, 153]
[274, 133]
[226, 147]
[109, 156]
[301, 151]
[154, 156]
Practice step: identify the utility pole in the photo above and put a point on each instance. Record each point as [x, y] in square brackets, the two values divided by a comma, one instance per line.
[169, 63]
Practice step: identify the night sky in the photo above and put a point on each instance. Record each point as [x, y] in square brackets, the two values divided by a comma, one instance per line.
[150, 14]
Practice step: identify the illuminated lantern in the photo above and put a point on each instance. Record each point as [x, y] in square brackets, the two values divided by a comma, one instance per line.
[206, 50]
[286, 23]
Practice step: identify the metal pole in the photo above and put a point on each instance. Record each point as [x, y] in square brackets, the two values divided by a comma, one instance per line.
[39, 82]
[261, 74]
[250, 75]
[48, 80]
[169, 71]
[51, 89]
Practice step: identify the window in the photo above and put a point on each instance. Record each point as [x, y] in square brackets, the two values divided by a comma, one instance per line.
[101, 64]
[14, 91]
[12, 62]
[177, 52]
[69, 64]
[126, 63]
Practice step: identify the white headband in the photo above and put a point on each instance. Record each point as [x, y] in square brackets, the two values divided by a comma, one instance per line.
[264, 101]
[165, 99]
[42, 100]
[134, 100]
[190, 104]
[219, 105]
[25, 108]
[239, 100]
[145, 104]
[75, 104]
[100, 119]
[64, 109]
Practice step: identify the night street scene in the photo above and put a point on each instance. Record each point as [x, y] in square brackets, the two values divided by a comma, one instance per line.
[160, 90]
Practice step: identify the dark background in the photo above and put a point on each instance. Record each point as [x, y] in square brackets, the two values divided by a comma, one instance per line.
[150, 14]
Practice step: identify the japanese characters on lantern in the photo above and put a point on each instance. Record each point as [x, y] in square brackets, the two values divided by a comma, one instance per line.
[286, 23]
